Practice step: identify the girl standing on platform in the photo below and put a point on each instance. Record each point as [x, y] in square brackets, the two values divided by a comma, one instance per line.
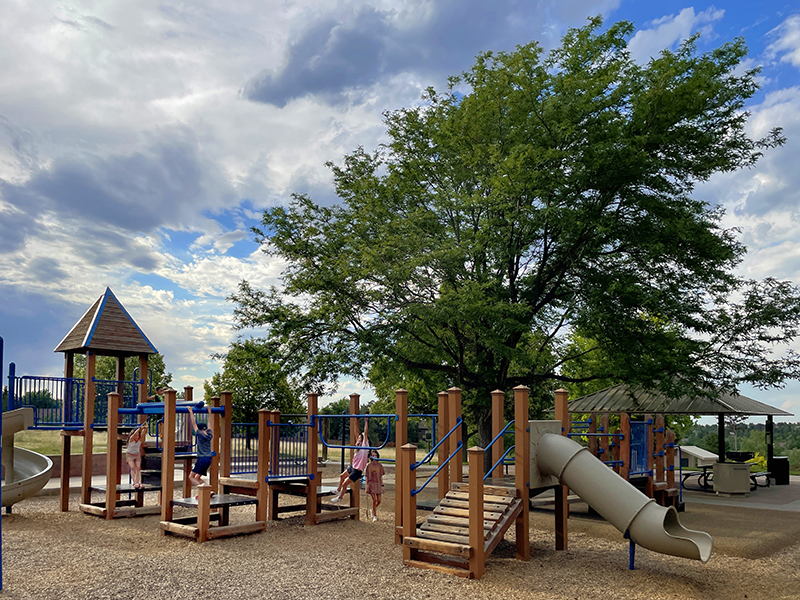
[133, 454]
[374, 475]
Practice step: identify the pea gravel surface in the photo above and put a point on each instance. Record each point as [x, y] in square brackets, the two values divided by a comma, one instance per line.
[52, 555]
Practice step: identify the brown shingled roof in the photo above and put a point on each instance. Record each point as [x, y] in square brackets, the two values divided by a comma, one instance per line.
[107, 329]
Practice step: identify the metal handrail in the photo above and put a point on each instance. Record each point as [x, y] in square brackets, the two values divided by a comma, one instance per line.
[427, 458]
[497, 437]
[495, 465]
[414, 492]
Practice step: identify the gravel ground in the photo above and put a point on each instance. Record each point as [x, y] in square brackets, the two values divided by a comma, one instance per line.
[48, 554]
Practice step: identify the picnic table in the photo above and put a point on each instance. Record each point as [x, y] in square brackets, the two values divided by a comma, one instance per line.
[705, 478]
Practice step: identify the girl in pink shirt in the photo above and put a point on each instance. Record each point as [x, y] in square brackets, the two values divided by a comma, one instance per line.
[374, 475]
[356, 469]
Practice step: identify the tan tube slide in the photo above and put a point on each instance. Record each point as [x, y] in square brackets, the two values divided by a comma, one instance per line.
[654, 527]
[26, 472]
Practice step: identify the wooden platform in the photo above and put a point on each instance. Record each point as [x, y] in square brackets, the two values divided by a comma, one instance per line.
[217, 501]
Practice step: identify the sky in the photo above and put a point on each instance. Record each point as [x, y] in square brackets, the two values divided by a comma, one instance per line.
[140, 142]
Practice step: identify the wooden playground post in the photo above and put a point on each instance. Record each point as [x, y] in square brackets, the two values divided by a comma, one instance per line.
[477, 560]
[522, 469]
[625, 445]
[168, 457]
[112, 454]
[562, 491]
[454, 406]
[401, 439]
[592, 439]
[355, 494]
[66, 450]
[88, 432]
[186, 436]
[262, 464]
[275, 457]
[214, 424]
[498, 420]
[562, 410]
[313, 469]
[603, 441]
[659, 449]
[669, 439]
[226, 434]
[409, 501]
[203, 511]
[443, 481]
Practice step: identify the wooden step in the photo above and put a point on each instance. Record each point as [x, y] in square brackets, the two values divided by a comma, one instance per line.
[461, 550]
[428, 526]
[461, 512]
[457, 521]
[487, 506]
[462, 571]
[492, 490]
[452, 495]
[443, 537]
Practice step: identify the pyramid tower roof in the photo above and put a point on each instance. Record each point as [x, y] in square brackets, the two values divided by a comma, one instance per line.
[107, 329]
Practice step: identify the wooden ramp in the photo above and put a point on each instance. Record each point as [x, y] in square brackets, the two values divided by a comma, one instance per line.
[442, 540]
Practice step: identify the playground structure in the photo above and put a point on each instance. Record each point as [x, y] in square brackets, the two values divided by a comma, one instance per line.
[472, 518]
[642, 452]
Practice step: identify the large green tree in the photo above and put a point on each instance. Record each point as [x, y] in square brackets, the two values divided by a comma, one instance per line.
[541, 194]
[256, 381]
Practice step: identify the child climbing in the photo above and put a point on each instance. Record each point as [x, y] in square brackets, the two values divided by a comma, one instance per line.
[374, 475]
[203, 436]
[133, 454]
[356, 469]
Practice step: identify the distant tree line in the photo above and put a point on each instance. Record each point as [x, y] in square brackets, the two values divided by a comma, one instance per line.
[751, 438]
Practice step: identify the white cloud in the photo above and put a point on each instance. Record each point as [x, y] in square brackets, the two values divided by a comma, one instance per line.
[670, 30]
[787, 42]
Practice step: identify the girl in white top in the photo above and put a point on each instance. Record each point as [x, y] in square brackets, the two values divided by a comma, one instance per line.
[133, 454]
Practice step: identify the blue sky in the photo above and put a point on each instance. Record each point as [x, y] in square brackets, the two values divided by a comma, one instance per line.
[139, 142]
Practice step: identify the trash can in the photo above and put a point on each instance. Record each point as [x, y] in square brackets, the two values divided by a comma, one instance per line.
[780, 470]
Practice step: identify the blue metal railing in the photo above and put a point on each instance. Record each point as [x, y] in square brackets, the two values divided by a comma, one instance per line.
[430, 455]
[289, 456]
[325, 443]
[490, 444]
[244, 448]
[57, 401]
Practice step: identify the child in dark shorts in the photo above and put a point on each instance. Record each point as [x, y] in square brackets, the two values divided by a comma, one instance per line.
[203, 437]
[356, 469]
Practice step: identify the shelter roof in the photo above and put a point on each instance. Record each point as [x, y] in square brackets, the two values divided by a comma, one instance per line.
[107, 329]
[621, 398]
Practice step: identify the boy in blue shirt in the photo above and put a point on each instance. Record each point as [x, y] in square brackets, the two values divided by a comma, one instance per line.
[203, 436]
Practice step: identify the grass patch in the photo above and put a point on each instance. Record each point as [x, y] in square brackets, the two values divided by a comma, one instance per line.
[49, 442]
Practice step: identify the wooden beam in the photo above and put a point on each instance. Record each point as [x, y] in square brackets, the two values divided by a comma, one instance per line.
[66, 449]
[498, 422]
[168, 456]
[401, 439]
[313, 467]
[477, 560]
[112, 453]
[262, 464]
[443, 480]
[409, 502]
[454, 408]
[88, 421]
[522, 470]
[345, 513]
